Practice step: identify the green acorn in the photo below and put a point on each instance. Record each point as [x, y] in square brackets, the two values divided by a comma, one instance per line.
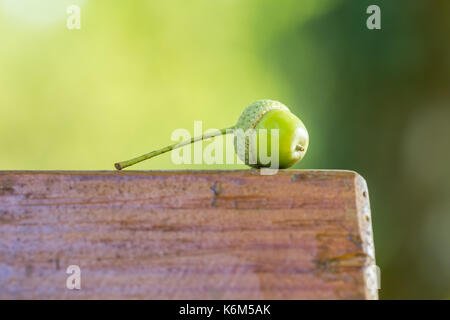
[262, 114]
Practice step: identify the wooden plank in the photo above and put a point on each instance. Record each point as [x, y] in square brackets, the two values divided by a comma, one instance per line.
[298, 234]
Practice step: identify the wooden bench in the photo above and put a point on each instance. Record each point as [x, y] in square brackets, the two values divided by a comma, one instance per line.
[299, 234]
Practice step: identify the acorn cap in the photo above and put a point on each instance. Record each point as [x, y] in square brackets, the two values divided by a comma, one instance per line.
[253, 113]
[248, 120]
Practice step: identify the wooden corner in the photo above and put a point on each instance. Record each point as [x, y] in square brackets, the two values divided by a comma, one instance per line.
[299, 234]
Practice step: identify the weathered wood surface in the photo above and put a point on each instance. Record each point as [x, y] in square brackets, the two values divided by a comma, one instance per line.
[186, 235]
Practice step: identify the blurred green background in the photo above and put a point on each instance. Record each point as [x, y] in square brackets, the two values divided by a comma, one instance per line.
[374, 101]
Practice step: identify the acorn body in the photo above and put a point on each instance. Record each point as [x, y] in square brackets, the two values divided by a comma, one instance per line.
[292, 138]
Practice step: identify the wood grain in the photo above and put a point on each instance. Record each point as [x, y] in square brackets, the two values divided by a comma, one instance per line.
[298, 234]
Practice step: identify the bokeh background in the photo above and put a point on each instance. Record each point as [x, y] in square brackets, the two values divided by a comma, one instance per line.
[374, 101]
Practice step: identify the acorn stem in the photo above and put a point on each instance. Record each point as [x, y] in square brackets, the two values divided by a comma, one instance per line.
[127, 163]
